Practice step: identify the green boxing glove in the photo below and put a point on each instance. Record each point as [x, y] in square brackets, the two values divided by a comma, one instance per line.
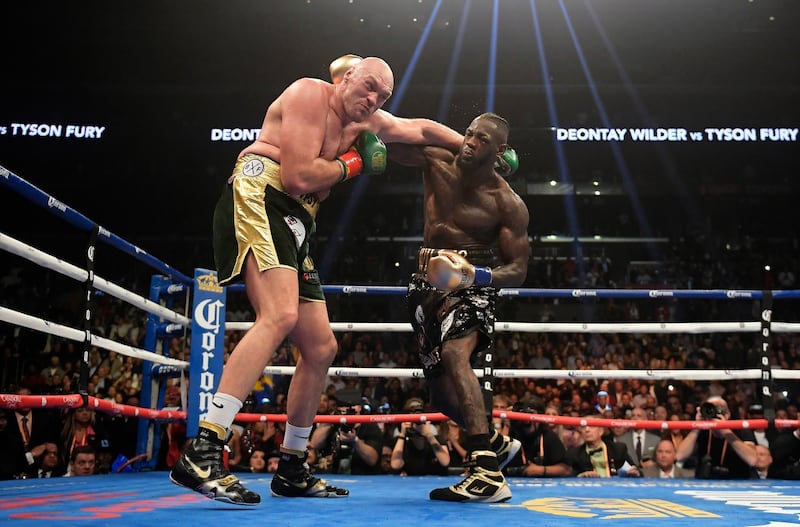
[507, 163]
[367, 156]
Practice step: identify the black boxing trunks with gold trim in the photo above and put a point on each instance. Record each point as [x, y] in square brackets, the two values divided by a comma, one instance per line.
[438, 316]
[253, 214]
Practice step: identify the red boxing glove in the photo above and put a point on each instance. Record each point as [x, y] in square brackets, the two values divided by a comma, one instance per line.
[352, 164]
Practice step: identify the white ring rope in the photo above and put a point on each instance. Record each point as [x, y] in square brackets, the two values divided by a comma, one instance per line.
[570, 327]
[45, 260]
[30, 322]
[46, 326]
[81, 275]
[697, 375]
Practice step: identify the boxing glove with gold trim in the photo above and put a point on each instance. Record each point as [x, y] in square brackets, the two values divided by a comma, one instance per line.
[449, 271]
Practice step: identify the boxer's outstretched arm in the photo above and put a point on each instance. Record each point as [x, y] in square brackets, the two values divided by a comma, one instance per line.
[407, 155]
[393, 129]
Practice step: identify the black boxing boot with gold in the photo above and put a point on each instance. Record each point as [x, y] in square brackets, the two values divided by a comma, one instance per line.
[201, 469]
[293, 479]
[505, 447]
[484, 483]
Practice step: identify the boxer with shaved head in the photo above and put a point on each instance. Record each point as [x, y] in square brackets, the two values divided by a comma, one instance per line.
[314, 135]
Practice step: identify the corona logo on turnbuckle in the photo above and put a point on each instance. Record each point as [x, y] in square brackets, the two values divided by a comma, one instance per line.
[205, 364]
[208, 282]
[207, 315]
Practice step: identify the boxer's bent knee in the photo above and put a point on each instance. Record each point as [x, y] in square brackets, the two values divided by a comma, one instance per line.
[327, 350]
[282, 321]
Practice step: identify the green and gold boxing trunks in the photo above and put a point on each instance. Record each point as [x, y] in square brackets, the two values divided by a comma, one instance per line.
[254, 214]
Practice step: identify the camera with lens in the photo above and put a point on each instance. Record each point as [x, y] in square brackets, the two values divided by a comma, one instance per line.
[706, 469]
[342, 452]
[412, 431]
[710, 411]
[346, 427]
[522, 428]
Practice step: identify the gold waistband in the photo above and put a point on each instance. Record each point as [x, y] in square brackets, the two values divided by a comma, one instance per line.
[261, 170]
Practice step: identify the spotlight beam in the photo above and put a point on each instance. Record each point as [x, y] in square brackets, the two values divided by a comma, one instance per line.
[360, 184]
[661, 150]
[492, 73]
[561, 158]
[449, 84]
[627, 180]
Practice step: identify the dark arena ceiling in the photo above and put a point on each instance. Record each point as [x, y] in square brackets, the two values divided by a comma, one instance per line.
[684, 111]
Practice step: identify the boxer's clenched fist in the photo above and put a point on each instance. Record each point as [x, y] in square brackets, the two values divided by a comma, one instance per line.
[449, 271]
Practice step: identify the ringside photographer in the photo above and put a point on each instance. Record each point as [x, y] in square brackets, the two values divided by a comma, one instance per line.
[721, 453]
[419, 450]
[347, 448]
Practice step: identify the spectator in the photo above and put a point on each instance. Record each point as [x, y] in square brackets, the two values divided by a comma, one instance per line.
[762, 436]
[602, 404]
[80, 429]
[542, 454]
[721, 453]
[173, 433]
[600, 458]
[660, 413]
[571, 437]
[123, 430]
[676, 436]
[48, 465]
[53, 370]
[642, 396]
[640, 443]
[272, 461]
[501, 402]
[82, 461]
[786, 455]
[539, 361]
[261, 435]
[257, 463]
[455, 437]
[418, 451]
[761, 469]
[347, 448]
[104, 457]
[386, 460]
[664, 466]
[11, 464]
[27, 430]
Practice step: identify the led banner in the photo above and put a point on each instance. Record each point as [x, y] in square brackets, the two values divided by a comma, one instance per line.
[54, 130]
[711, 135]
[247, 135]
[583, 135]
[567, 135]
